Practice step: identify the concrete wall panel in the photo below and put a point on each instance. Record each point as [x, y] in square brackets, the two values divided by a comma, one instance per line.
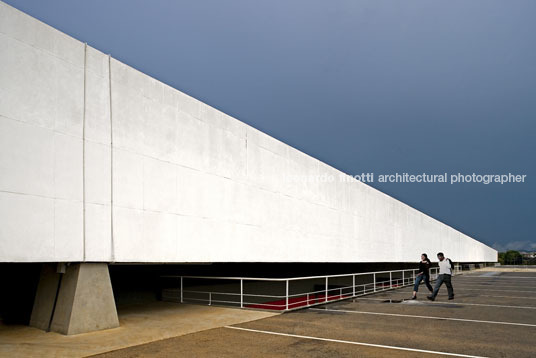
[127, 179]
[128, 234]
[68, 230]
[193, 139]
[26, 158]
[27, 230]
[68, 179]
[159, 186]
[97, 162]
[98, 243]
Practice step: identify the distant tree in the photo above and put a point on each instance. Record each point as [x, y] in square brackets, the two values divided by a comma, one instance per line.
[501, 258]
[511, 257]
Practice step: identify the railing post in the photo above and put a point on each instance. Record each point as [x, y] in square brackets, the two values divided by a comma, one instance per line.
[374, 274]
[210, 298]
[326, 298]
[286, 296]
[390, 279]
[307, 298]
[403, 278]
[353, 285]
[182, 295]
[241, 293]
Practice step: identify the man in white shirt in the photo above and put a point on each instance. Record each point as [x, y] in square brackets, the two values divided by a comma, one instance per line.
[445, 274]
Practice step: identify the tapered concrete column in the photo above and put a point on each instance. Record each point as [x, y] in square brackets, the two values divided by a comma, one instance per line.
[45, 298]
[84, 300]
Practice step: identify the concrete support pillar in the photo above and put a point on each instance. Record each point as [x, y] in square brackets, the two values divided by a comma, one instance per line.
[45, 297]
[77, 301]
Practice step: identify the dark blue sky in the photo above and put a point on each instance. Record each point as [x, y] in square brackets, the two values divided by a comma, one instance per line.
[365, 86]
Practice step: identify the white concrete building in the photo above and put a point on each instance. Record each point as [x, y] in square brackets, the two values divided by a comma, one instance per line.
[102, 163]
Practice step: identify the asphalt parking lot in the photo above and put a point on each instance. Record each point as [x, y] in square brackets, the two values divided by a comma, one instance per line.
[493, 315]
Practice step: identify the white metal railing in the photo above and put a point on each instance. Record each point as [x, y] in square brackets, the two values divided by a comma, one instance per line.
[292, 293]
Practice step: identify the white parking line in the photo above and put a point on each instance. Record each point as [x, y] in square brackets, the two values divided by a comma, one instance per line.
[352, 342]
[519, 297]
[493, 296]
[491, 284]
[509, 287]
[425, 317]
[489, 273]
[452, 303]
[502, 283]
[495, 284]
[486, 279]
[455, 285]
[504, 278]
[490, 289]
[498, 277]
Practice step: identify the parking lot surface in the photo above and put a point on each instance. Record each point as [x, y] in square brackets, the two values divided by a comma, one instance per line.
[493, 315]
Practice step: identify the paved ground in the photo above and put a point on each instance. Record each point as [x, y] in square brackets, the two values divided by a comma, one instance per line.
[139, 324]
[493, 315]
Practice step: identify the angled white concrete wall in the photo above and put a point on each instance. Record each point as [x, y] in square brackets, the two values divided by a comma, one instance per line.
[183, 181]
[41, 112]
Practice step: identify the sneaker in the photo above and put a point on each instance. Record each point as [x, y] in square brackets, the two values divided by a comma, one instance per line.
[414, 297]
[451, 298]
[431, 298]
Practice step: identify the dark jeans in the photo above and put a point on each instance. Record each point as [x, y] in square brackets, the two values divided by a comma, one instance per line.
[418, 280]
[443, 279]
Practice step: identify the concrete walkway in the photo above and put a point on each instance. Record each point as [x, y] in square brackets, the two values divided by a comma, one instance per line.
[139, 324]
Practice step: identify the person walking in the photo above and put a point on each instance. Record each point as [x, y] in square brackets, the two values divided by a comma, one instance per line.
[423, 274]
[445, 275]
